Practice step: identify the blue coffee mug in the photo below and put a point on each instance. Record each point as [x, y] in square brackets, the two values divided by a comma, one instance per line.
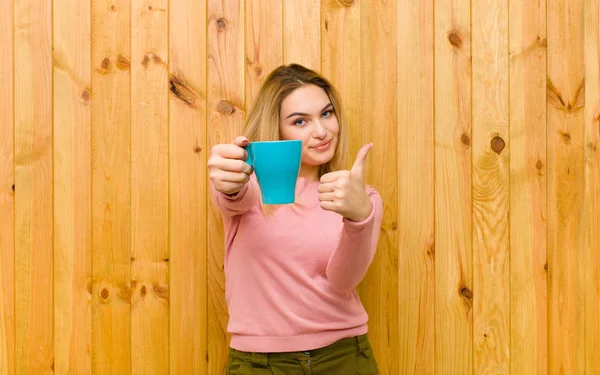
[276, 165]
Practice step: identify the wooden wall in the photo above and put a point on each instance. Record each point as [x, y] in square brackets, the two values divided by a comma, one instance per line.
[486, 121]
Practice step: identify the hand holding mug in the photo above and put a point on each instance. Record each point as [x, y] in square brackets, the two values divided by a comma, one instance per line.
[228, 170]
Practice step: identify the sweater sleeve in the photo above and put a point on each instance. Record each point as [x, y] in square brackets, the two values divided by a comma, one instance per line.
[350, 261]
[244, 200]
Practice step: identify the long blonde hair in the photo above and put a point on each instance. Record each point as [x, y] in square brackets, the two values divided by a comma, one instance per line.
[262, 122]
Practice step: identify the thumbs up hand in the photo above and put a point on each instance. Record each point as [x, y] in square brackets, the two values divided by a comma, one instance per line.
[344, 192]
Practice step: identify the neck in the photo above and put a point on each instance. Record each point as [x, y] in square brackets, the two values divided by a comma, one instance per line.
[309, 172]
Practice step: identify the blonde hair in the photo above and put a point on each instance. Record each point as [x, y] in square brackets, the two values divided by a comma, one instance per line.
[262, 122]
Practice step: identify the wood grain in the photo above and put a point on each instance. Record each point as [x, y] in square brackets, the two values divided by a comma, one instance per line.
[187, 187]
[590, 233]
[301, 33]
[491, 173]
[528, 277]
[416, 161]
[111, 186]
[379, 290]
[7, 195]
[225, 90]
[33, 187]
[454, 291]
[149, 187]
[264, 43]
[565, 101]
[72, 188]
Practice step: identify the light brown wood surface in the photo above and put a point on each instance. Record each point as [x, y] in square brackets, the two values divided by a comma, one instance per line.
[33, 166]
[485, 119]
[7, 194]
[187, 188]
[111, 187]
[528, 184]
[72, 187]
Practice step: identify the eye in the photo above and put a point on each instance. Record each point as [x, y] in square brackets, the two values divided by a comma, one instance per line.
[299, 122]
[327, 113]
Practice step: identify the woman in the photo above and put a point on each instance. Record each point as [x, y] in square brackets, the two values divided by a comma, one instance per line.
[291, 270]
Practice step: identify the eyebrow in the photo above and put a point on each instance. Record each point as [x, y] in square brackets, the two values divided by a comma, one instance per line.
[305, 114]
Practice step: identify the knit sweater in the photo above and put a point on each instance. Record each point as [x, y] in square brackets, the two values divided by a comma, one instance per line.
[291, 273]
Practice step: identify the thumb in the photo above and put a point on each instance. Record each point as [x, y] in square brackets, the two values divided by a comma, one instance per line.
[361, 157]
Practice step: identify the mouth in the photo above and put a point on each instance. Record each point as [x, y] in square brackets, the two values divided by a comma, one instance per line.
[322, 145]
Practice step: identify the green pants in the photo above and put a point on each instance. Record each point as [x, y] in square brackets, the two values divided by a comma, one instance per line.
[345, 357]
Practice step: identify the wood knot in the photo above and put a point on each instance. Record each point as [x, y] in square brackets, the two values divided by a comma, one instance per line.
[465, 140]
[258, 70]
[221, 24]
[197, 150]
[455, 39]
[123, 63]
[225, 107]
[498, 144]
[394, 226]
[145, 61]
[466, 292]
[546, 266]
[183, 91]
[566, 137]
[149, 7]
[326, 25]
[431, 250]
[539, 165]
[13, 187]
[143, 291]
[104, 66]
[157, 60]
[346, 3]
[85, 95]
[104, 294]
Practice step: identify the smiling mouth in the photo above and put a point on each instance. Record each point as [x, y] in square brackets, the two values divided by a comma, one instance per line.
[322, 144]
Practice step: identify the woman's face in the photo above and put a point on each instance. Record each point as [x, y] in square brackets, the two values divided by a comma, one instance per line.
[307, 114]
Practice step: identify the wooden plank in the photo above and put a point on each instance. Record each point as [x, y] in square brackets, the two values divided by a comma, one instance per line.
[490, 187]
[379, 291]
[111, 186]
[301, 33]
[72, 189]
[225, 101]
[264, 43]
[565, 101]
[188, 190]
[341, 63]
[416, 197]
[33, 187]
[453, 232]
[528, 277]
[7, 195]
[590, 254]
[149, 188]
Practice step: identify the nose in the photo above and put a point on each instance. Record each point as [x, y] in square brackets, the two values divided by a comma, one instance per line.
[319, 130]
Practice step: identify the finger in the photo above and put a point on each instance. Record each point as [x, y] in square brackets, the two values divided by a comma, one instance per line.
[235, 177]
[327, 197]
[361, 157]
[329, 206]
[233, 152]
[232, 165]
[228, 187]
[332, 176]
[241, 141]
[326, 188]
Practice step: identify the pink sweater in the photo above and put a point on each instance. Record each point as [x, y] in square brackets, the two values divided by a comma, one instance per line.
[290, 276]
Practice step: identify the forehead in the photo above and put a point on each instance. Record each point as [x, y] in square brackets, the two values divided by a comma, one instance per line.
[305, 99]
